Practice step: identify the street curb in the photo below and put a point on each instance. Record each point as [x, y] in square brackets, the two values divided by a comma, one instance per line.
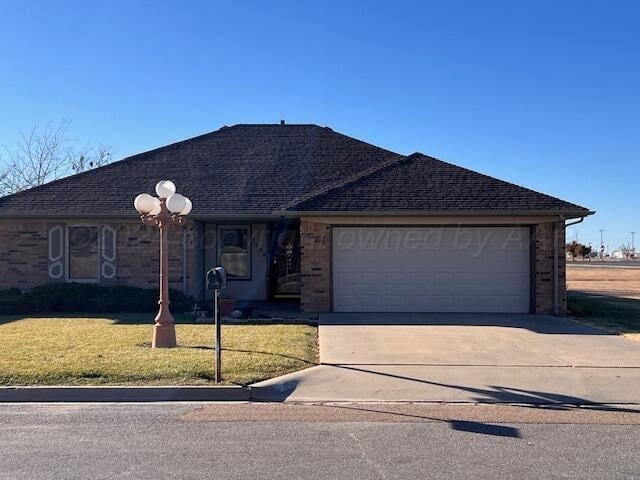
[125, 394]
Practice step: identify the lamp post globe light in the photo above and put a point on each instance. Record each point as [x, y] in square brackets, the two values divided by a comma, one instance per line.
[169, 208]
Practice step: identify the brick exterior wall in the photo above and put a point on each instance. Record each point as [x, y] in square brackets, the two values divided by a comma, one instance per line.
[138, 256]
[24, 251]
[23, 254]
[543, 245]
[315, 266]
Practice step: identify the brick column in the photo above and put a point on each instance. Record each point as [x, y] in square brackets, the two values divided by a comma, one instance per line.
[315, 266]
[544, 276]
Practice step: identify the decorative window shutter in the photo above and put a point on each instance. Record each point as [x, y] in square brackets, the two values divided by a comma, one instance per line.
[56, 253]
[108, 257]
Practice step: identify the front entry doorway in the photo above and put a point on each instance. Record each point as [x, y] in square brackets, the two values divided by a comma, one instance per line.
[285, 260]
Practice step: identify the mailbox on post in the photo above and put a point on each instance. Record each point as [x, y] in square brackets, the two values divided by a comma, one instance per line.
[217, 281]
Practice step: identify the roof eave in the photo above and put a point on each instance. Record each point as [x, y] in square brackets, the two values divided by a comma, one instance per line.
[567, 214]
[377, 213]
[134, 215]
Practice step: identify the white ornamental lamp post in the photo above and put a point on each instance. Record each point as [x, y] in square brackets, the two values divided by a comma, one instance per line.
[170, 208]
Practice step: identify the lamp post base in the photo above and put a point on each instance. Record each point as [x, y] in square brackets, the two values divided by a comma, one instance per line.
[164, 336]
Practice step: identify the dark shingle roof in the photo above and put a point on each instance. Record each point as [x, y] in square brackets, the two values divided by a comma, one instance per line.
[243, 169]
[426, 184]
[266, 169]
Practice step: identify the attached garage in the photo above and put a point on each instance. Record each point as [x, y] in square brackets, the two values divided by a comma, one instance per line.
[346, 225]
[431, 269]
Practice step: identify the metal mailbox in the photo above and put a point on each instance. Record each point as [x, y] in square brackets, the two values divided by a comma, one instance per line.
[217, 279]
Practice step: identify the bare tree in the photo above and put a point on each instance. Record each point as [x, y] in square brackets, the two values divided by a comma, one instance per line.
[576, 249]
[626, 250]
[88, 158]
[36, 160]
[4, 173]
[571, 249]
[46, 154]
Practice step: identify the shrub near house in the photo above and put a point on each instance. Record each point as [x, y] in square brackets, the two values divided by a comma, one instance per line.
[90, 298]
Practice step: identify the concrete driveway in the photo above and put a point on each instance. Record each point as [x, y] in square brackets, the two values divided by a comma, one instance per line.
[469, 339]
[463, 358]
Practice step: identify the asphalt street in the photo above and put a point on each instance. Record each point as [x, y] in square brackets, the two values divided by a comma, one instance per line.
[345, 441]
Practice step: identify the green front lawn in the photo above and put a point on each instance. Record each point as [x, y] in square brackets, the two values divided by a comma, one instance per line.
[616, 314]
[115, 349]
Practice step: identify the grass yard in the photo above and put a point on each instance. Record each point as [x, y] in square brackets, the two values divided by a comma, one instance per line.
[607, 298]
[116, 350]
[615, 282]
[619, 315]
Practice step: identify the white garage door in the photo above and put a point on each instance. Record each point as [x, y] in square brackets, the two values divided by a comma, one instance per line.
[431, 269]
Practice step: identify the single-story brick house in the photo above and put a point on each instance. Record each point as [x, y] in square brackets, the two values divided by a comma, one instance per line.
[304, 212]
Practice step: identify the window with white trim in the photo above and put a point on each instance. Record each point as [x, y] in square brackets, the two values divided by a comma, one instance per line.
[83, 247]
[234, 250]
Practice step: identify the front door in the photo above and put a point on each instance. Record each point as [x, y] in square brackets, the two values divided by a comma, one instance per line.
[285, 260]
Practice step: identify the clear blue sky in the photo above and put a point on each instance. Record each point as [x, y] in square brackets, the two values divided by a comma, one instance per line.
[542, 93]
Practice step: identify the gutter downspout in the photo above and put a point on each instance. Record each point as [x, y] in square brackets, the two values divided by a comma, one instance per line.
[574, 223]
[556, 268]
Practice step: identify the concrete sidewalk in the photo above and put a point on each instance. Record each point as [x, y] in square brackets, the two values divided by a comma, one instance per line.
[420, 383]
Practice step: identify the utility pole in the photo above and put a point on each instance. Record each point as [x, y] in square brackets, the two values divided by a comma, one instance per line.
[633, 244]
[601, 244]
